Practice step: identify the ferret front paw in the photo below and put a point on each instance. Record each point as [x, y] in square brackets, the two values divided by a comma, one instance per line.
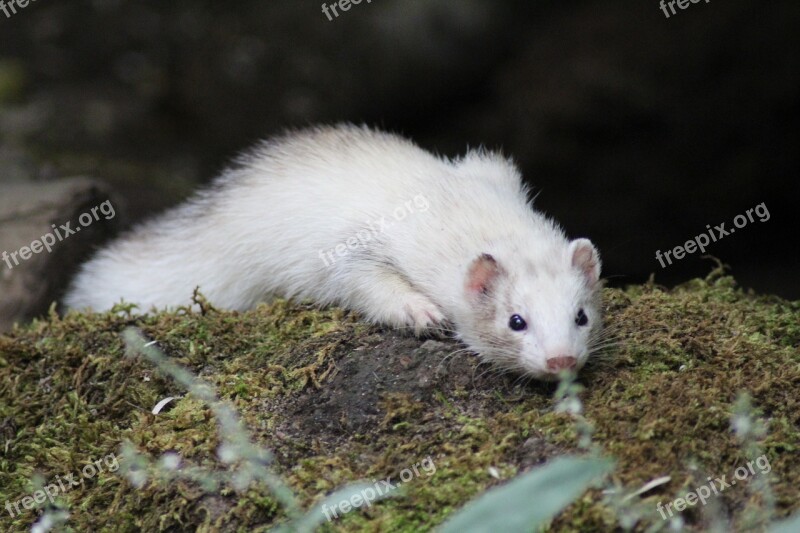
[422, 315]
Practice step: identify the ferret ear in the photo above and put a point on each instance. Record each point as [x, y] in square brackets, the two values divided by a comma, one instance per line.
[584, 257]
[482, 273]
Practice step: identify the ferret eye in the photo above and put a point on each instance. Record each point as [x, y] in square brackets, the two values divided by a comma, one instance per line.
[581, 319]
[517, 323]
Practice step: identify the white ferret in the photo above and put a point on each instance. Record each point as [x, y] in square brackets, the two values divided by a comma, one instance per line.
[367, 220]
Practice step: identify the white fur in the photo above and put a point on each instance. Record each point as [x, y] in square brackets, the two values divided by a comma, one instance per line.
[259, 231]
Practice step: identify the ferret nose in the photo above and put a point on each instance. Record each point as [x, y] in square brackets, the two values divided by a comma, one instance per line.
[562, 362]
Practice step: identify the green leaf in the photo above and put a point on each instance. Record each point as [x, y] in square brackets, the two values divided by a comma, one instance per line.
[311, 520]
[531, 499]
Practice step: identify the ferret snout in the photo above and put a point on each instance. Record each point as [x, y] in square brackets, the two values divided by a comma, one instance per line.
[562, 362]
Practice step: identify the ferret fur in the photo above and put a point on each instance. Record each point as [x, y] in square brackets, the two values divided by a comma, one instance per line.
[453, 242]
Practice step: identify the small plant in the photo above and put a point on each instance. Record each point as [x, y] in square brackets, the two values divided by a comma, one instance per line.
[246, 462]
[568, 401]
[627, 509]
[532, 499]
[552, 487]
[749, 430]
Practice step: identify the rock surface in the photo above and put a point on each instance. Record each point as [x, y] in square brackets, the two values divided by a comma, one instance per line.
[39, 254]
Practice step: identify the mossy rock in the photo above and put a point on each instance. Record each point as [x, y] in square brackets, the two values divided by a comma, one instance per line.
[338, 401]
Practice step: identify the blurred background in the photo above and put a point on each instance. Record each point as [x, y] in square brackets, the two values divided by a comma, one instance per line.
[635, 129]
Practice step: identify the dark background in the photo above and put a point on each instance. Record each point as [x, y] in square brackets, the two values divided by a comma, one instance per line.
[637, 130]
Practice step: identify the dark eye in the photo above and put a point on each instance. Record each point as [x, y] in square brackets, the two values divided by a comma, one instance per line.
[581, 319]
[517, 323]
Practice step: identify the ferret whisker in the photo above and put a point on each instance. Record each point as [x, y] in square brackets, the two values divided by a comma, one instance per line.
[490, 370]
[452, 355]
[522, 380]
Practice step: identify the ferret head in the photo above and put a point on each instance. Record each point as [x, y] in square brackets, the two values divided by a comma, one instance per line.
[535, 315]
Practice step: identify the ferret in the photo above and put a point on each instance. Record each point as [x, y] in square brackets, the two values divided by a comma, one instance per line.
[367, 220]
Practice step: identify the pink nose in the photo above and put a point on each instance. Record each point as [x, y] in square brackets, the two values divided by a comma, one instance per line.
[562, 362]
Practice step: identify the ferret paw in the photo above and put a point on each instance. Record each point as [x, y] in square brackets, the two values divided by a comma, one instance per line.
[423, 316]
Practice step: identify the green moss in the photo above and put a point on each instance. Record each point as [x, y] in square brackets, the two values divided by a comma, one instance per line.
[660, 401]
